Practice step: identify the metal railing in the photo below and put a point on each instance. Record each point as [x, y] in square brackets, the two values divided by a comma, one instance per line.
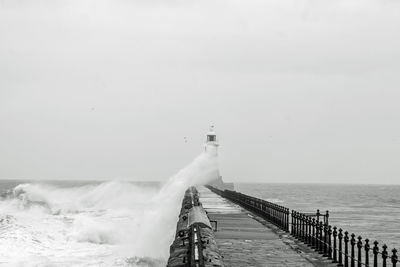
[272, 212]
[314, 230]
[338, 245]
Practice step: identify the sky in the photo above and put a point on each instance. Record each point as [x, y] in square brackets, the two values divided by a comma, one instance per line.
[300, 91]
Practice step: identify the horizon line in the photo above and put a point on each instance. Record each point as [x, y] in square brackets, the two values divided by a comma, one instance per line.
[160, 181]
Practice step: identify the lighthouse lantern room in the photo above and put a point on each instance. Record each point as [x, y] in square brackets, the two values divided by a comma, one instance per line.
[212, 137]
[212, 143]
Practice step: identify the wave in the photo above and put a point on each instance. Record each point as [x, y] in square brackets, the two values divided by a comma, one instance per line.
[108, 195]
[109, 224]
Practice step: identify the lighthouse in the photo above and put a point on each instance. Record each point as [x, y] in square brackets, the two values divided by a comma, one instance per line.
[211, 142]
[211, 147]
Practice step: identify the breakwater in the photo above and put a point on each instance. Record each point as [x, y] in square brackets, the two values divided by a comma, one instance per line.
[314, 230]
[194, 243]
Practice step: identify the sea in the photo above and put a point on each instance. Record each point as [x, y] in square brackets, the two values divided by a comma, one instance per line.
[369, 211]
[97, 223]
[119, 223]
[78, 223]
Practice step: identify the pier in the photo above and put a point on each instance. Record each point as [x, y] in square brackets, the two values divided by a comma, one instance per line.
[335, 245]
[246, 239]
[253, 232]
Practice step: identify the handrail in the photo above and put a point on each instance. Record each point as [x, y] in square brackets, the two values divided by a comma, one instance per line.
[272, 212]
[333, 243]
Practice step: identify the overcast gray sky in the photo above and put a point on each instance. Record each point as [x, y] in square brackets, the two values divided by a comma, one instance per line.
[299, 91]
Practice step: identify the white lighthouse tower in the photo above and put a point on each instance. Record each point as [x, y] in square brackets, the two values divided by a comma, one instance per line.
[212, 148]
[211, 143]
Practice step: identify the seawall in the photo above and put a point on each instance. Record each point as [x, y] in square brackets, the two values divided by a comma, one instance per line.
[194, 243]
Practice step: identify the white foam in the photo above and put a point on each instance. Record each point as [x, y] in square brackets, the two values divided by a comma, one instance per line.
[111, 224]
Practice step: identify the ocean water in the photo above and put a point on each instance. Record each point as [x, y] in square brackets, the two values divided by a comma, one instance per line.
[372, 211]
[115, 223]
[112, 223]
[74, 223]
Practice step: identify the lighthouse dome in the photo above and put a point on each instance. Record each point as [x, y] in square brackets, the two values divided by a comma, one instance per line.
[211, 131]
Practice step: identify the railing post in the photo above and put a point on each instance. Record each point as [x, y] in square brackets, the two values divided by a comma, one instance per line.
[376, 251]
[321, 236]
[359, 246]
[287, 219]
[327, 217]
[317, 236]
[273, 213]
[317, 243]
[304, 227]
[346, 249]
[280, 217]
[262, 208]
[277, 215]
[313, 233]
[329, 242]
[266, 208]
[279, 220]
[325, 240]
[284, 218]
[366, 248]
[283, 212]
[394, 257]
[298, 224]
[310, 231]
[305, 218]
[321, 241]
[384, 255]
[352, 243]
[334, 260]
[293, 222]
[300, 235]
[270, 212]
[340, 237]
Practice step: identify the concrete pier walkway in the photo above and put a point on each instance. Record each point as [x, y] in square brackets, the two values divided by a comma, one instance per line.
[248, 240]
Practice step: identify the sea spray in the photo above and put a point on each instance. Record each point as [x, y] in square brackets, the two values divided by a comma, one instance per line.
[109, 224]
[161, 220]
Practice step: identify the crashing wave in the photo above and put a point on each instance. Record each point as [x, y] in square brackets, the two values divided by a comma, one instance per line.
[96, 224]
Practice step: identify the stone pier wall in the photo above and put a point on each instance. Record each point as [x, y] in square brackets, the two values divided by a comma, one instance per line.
[194, 243]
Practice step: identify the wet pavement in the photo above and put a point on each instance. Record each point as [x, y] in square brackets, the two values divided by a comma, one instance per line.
[245, 239]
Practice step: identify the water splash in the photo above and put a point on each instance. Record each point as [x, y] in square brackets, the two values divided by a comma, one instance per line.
[109, 224]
